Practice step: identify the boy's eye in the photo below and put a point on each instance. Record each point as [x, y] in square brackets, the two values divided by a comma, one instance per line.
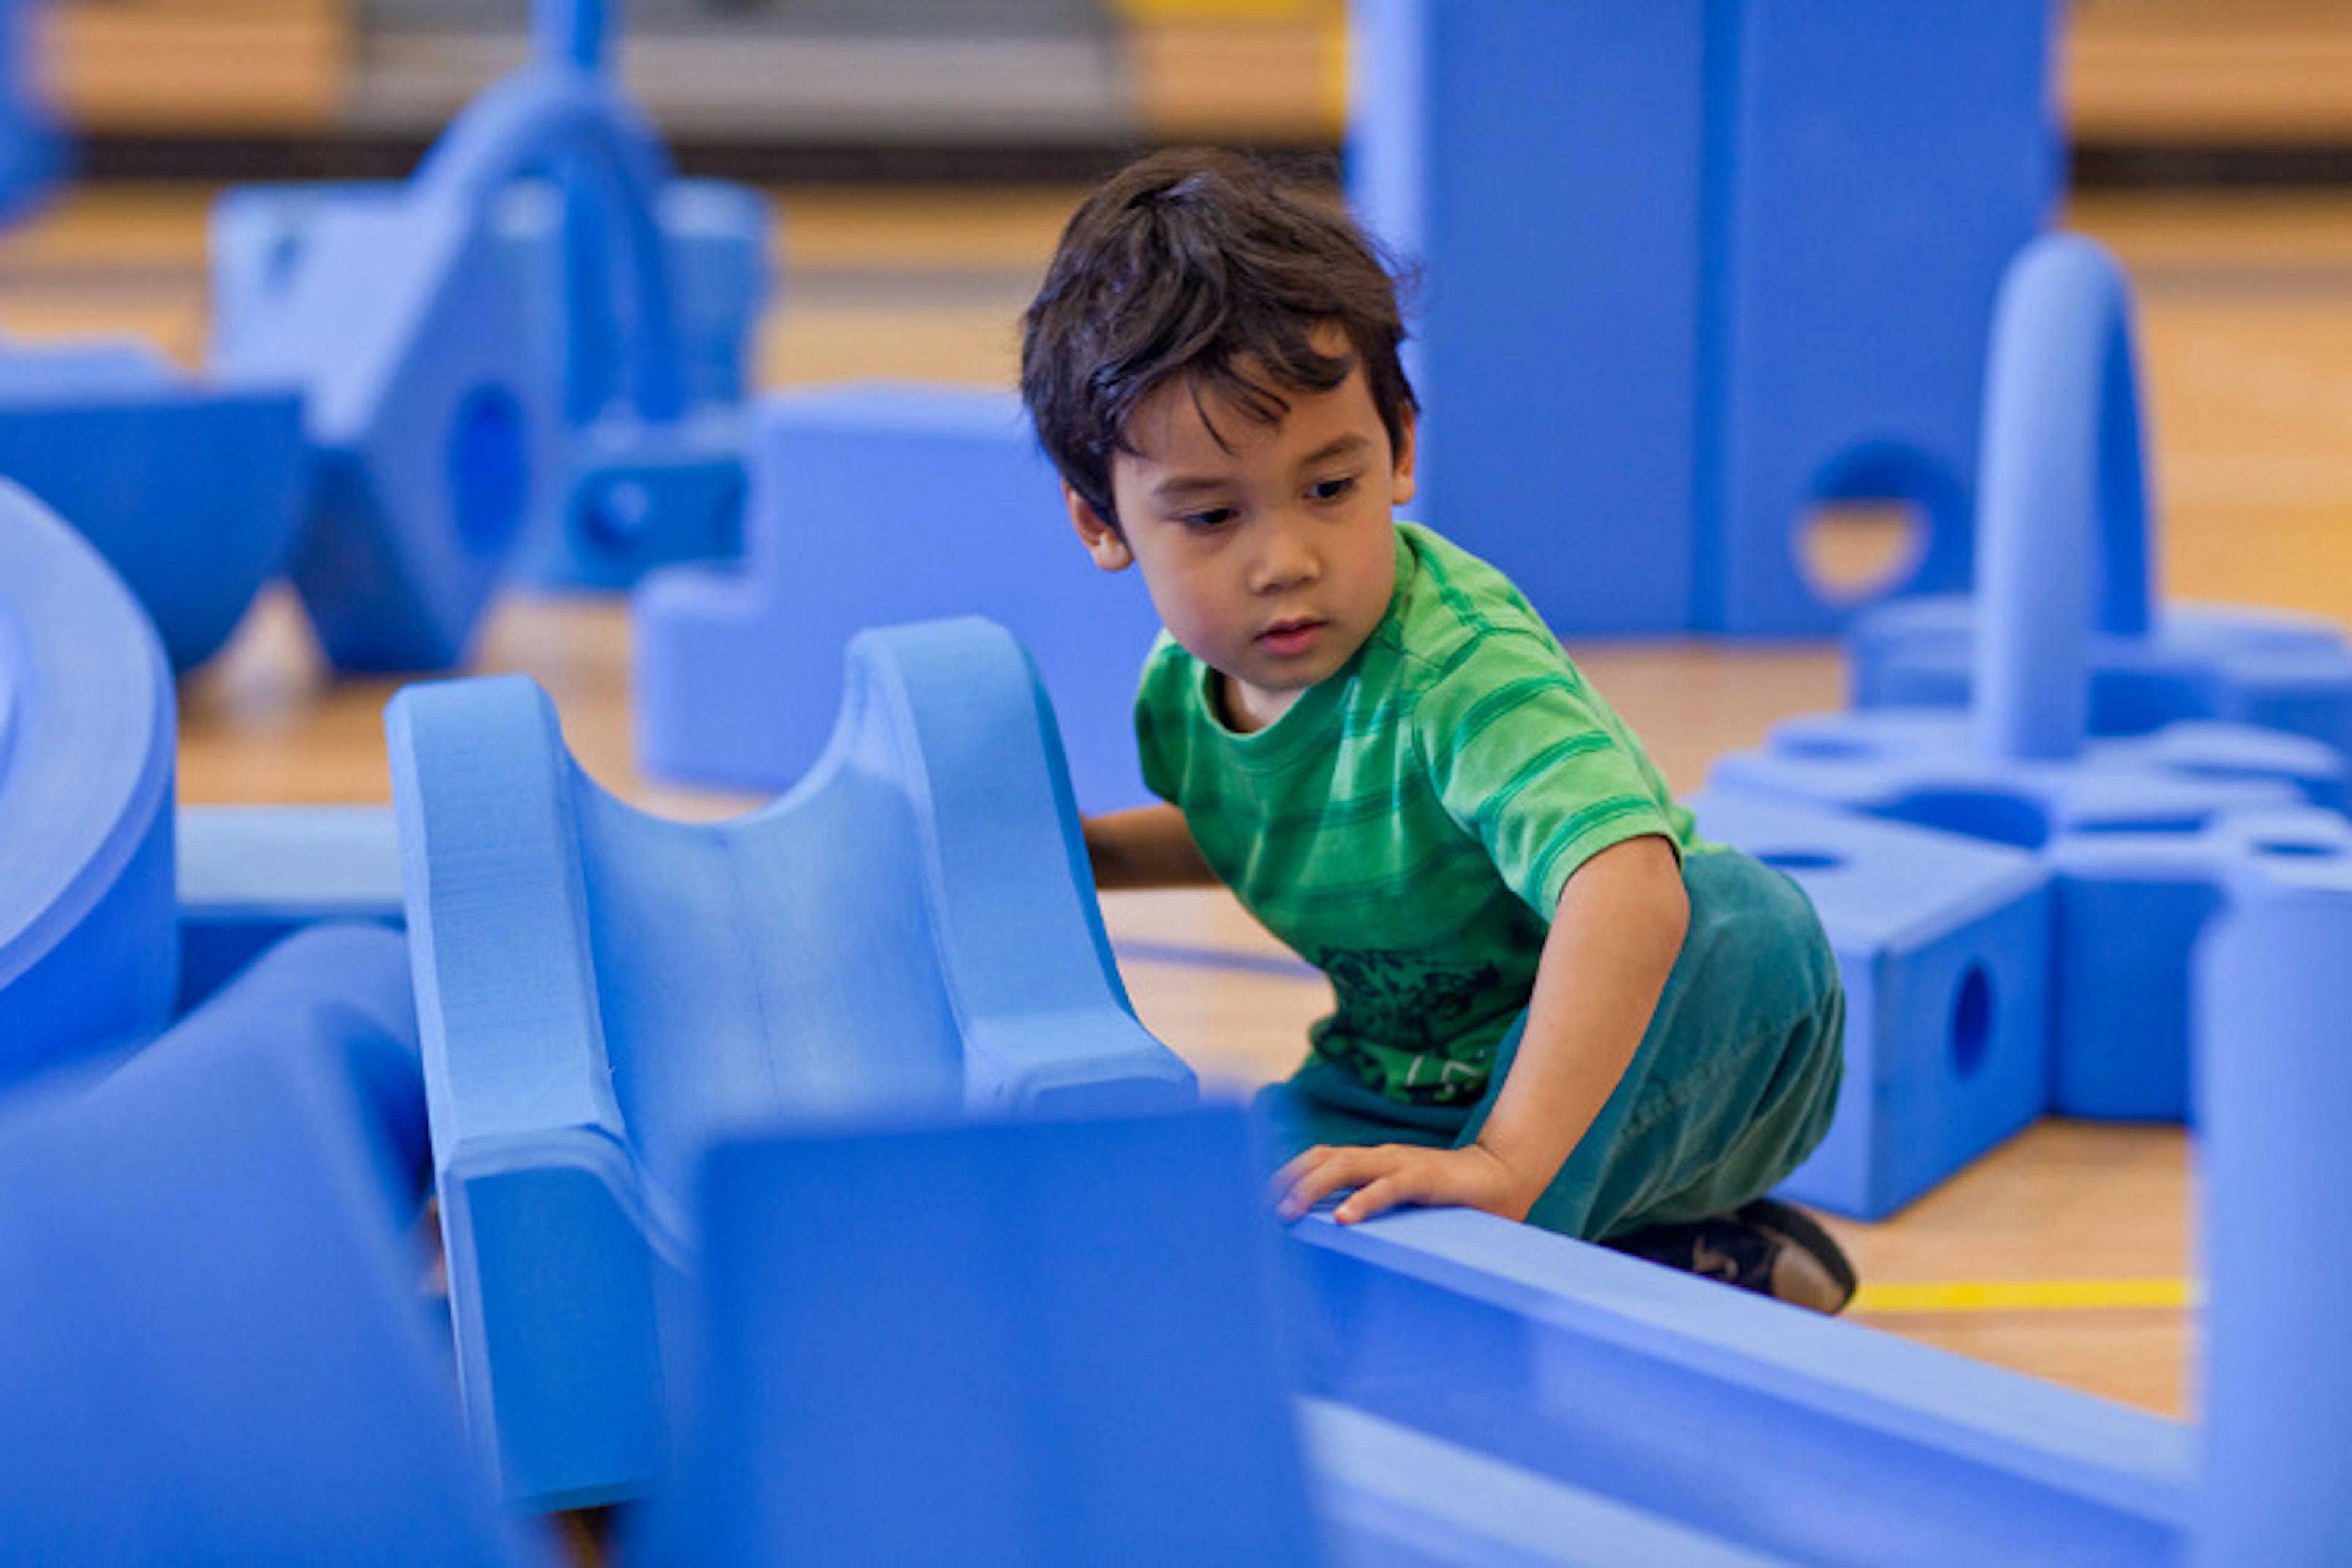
[1331, 489]
[1211, 518]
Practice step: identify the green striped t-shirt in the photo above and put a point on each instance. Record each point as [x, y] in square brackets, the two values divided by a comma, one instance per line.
[1408, 824]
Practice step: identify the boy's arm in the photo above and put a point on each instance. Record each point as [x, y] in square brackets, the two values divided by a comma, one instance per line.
[1614, 938]
[1149, 847]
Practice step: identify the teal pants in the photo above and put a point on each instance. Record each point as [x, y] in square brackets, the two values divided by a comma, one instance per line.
[1733, 1084]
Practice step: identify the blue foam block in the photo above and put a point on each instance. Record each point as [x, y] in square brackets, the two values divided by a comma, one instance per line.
[912, 929]
[1716, 261]
[87, 731]
[1943, 944]
[871, 503]
[2064, 390]
[215, 1346]
[2274, 1088]
[191, 492]
[1007, 1343]
[250, 876]
[31, 152]
[1627, 1380]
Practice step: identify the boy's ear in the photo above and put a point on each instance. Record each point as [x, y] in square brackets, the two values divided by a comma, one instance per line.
[1400, 490]
[1101, 539]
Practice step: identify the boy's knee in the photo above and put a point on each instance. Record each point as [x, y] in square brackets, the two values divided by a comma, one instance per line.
[1754, 935]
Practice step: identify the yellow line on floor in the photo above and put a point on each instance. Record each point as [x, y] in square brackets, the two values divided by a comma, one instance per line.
[2024, 1295]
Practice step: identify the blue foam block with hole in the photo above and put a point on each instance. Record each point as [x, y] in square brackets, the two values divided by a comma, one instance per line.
[89, 728]
[2274, 1094]
[1715, 262]
[1943, 944]
[250, 876]
[1001, 1342]
[216, 1346]
[2065, 297]
[912, 929]
[877, 503]
[191, 492]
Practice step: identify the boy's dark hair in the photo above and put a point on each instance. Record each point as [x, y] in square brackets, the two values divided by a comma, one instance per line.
[1203, 265]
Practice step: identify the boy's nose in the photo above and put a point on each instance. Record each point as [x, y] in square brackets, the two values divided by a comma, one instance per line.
[1287, 561]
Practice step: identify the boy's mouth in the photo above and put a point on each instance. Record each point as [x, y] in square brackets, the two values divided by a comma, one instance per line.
[1291, 636]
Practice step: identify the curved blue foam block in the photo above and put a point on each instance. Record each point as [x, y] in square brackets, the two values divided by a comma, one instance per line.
[911, 929]
[1005, 1342]
[2274, 1094]
[1808, 210]
[1624, 1379]
[734, 671]
[88, 730]
[250, 876]
[2064, 375]
[1943, 944]
[215, 1344]
[193, 493]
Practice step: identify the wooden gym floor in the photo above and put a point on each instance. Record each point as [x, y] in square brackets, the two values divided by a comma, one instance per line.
[2068, 1254]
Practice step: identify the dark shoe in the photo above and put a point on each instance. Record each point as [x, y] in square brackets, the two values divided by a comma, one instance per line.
[1766, 1247]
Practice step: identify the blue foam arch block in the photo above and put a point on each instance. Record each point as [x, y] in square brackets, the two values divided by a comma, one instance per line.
[88, 726]
[912, 927]
[2275, 1090]
[216, 1345]
[994, 1342]
[1943, 944]
[191, 492]
[1626, 1379]
[1715, 261]
[734, 671]
[250, 876]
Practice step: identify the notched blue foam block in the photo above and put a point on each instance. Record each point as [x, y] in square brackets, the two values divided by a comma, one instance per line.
[880, 502]
[911, 929]
[1806, 211]
[89, 728]
[191, 492]
[216, 1342]
[1047, 1342]
[1943, 944]
[250, 876]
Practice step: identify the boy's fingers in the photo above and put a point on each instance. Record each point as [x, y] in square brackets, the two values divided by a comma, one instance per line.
[1375, 1197]
[1337, 1170]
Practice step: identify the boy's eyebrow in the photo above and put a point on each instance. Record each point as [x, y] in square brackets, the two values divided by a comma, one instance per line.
[1347, 446]
[1176, 487]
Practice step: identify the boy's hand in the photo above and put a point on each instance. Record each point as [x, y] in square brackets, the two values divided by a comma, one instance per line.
[1387, 1175]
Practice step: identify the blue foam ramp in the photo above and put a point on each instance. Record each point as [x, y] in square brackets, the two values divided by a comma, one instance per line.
[2274, 1091]
[193, 493]
[1789, 308]
[1943, 944]
[88, 732]
[250, 876]
[734, 671]
[2065, 305]
[911, 929]
[998, 1342]
[1627, 1380]
[216, 1346]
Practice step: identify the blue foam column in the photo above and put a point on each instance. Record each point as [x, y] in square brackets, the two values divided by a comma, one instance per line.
[2274, 1089]
[1043, 1342]
[735, 671]
[88, 726]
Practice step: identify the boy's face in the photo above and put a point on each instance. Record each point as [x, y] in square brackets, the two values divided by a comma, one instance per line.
[1272, 562]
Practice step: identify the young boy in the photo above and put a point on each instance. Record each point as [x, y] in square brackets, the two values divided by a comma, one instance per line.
[1554, 1002]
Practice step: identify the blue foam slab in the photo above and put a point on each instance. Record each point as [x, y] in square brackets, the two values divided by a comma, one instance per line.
[88, 730]
[1005, 1342]
[1806, 211]
[250, 876]
[1943, 944]
[2275, 1090]
[2132, 907]
[193, 493]
[1740, 1417]
[912, 929]
[217, 1347]
[873, 503]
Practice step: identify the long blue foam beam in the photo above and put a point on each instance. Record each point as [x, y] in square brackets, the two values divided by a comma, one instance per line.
[1796, 1436]
[911, 929]
[216, 1348]
[87, 731]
